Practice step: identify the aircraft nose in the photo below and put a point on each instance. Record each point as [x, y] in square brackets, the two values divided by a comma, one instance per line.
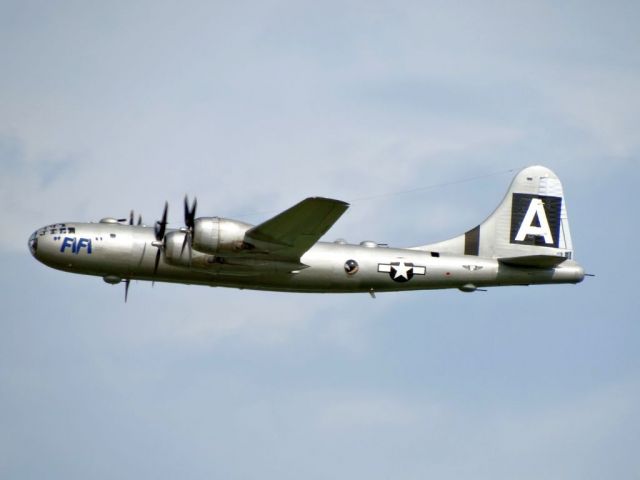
[33, 243]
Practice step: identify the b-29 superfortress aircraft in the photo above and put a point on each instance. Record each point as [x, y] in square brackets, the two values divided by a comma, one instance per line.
[525, 241]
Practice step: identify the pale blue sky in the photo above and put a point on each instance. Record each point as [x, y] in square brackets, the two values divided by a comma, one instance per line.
[253, 106]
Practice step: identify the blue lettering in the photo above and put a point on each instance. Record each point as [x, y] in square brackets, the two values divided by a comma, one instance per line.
[76, 245]
[84, 242]
[68, 242]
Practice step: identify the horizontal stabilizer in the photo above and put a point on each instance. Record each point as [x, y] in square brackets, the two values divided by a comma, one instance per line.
[536, 261]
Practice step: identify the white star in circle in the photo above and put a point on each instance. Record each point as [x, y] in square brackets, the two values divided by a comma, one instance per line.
[401, 271]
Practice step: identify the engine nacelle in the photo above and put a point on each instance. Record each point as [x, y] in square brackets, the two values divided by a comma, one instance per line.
[173, 252]
[217, 235]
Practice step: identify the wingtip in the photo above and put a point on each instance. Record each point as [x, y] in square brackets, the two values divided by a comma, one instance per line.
[330, 200]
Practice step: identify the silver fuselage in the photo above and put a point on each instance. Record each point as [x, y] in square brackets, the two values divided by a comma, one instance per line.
[118, 251]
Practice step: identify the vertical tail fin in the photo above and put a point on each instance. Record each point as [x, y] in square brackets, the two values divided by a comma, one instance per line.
[531, 221]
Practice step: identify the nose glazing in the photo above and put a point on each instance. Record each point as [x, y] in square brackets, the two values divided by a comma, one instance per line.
[33, 243]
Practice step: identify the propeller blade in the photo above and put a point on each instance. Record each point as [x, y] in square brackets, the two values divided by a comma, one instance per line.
[139, 219]
[126, 289]
[187, 240]
[159, 231]
[184, 243]
[186, 211]
[155, 267]
[131, 218]
[189, 213]
[161, 226]
[189, 221]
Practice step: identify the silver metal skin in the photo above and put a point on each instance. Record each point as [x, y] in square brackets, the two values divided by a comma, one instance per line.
[525, 241]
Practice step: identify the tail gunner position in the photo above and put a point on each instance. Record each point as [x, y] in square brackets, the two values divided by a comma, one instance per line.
[525, 241]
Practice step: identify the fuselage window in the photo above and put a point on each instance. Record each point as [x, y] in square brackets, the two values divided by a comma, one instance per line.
[71, 230]
[113, 235]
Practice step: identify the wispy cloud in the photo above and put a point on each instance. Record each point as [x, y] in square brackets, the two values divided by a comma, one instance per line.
[252, 106]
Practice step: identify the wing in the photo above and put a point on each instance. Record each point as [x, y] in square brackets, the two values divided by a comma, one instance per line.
[291, 233]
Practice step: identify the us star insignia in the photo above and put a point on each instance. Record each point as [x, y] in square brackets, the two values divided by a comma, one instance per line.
[401, 271]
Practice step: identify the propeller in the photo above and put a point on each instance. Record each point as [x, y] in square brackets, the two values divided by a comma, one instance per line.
[131, 215]
[130, 219]
[189, 221]
[159, 230]
[127, 281]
